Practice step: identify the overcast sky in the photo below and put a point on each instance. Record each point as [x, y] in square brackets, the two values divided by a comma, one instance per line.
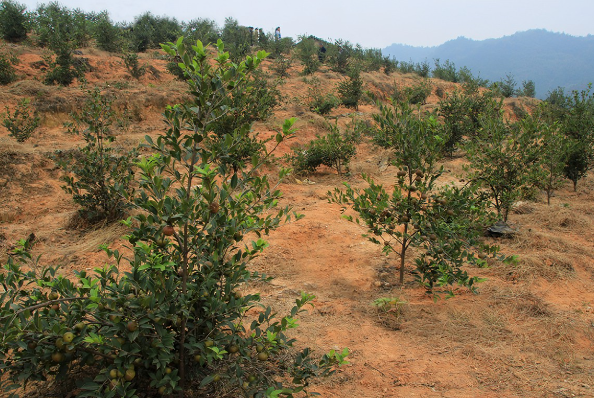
[371, 23]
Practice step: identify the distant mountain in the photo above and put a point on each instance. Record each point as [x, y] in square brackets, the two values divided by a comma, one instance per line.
[549, 59]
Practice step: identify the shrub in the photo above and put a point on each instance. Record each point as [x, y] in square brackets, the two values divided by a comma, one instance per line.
[307, 52]
[318, 102]
[237, 39]
[350, 90]
[461, 112]
[178, 316]
[416, 94]
[334, 150]
[22, 122]
[148, 31]
[528, 89]
[7, 71]
[107, 36]
[96, 175]
[133, 66]
[445, 224]
[446, 72]
[205, 30]
[14, 21]
[339, 56]
[503, 158]
[282, 65]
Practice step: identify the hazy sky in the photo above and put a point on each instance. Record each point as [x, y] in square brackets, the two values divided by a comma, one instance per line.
[371, 23]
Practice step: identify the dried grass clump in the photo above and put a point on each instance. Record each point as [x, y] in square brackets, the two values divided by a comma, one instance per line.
[549, 265]
[523, 208]
[564, 219]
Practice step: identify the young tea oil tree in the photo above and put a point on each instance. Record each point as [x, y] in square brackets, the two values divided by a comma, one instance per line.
[177, 320]
[97, 174]
[502, 160]
[334, 150]
[22, 122]
[350, 90]
[444, 224]
[578, 126]
[551, 149]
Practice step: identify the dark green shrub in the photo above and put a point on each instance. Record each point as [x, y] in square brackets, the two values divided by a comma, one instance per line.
[390, 65]
[7, 71]
[339, 56]
[107, 36]
[148, 31]
[63, 68]
[416, 94]
[96, 175]
[528, 89]
[446, 72]
[508, 86]
[350, 90]
[307, 52]
[237, 39]
[14, 21]
[178, 320]
[22, 122]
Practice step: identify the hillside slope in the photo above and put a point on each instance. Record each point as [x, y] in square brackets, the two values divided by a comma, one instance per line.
[528, 333]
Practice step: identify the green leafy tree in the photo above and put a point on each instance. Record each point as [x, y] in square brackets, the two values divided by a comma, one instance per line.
[14, 21]
[528, 89]
[307, 52]
[551, 149]
[237, 39]
[503, 159]
[578, 125]
[97, 175]
[133, 66]
[7, 70]
[319, 102]
[461, 112]
[107, 36]
[445, 224]
[177, 319]
[22, 122]
[350, 90]
[205, 30]
[334, 150]
[148, 31]
[507, 86]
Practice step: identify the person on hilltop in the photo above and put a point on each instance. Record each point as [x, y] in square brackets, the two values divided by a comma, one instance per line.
[322, 53]
[277, 34]
[251, 28]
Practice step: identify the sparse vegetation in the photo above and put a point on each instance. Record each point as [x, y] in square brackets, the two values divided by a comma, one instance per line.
[22, 122]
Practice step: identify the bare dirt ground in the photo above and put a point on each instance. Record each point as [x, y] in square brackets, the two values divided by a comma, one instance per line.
[528, 333]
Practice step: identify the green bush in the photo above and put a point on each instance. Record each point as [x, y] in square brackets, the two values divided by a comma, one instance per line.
[148, 31]
[7, 71]
[502, 160]
[444, 224]
[205, 30]
[96, 175]
[22, 122]
[133, 66]
[307, 52]
[14, 21]
[318, 102]
[350, 90]
[416, 94]
[177, 321]
[237, 39]
[334, 150]
[107, 36]
[461, 113]
[281, 66]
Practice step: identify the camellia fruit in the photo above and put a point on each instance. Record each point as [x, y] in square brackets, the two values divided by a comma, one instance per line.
[263, 356]
[68, 337]
[168, 230]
